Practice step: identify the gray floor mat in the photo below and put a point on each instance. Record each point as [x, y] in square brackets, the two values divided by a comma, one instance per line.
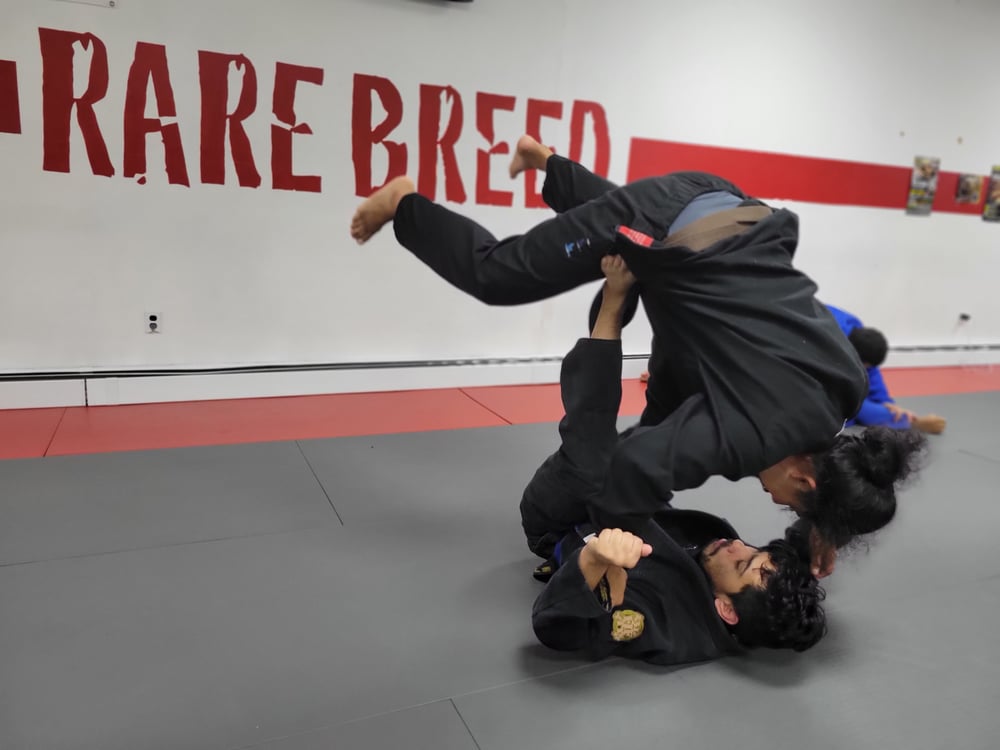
[246, 615]
[80, 505]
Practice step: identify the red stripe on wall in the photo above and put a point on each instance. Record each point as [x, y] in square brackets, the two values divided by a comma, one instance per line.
[809, 179]
[10, 109]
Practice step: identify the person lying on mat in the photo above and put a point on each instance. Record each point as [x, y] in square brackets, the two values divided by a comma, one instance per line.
[685, 588]
[879, 407]
[749, 373]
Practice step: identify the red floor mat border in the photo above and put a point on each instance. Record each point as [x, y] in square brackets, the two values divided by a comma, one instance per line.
[33, 433]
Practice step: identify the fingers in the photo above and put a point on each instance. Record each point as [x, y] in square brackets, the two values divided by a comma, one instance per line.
[824, 561]
[612, 264]
[824, 555]
[621, 548]
[634, 551]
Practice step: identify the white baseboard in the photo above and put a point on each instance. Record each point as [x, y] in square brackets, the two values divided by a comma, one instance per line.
[943, 358]
[41, 394]
[108, 391]
[164, 388]
[160, 388]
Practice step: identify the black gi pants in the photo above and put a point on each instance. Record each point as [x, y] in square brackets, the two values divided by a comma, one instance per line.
[557, 255]
[747, 367]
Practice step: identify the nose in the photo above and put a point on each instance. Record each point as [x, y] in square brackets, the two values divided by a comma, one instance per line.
[736, 546]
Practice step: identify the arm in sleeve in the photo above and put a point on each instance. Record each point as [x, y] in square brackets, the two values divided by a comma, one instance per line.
[878, 391]
[681, 452]
[873, 414]
[559, 494]
[569, 616]
[591, 386]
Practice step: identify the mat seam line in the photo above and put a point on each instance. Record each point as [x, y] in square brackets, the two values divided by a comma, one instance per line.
[316, 477]
[465, 724]
[55, 432]
[480, 403]
[127, 550]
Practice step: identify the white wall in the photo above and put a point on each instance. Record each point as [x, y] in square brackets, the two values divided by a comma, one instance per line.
[258, 276]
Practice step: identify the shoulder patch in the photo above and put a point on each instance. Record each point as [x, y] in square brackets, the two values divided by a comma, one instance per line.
[627, 625]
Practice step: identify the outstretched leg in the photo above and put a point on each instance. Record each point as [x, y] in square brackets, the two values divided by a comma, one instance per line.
[553, 257]
[567, 184]
[558, 255]
[379, 208]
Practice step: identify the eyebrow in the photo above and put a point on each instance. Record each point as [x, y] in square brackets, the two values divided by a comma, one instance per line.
[750, 562]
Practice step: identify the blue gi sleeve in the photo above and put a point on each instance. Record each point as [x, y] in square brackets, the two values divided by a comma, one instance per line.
[877, 389]
[873, 411]
[845, 320]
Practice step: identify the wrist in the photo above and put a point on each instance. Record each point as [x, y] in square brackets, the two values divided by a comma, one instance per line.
[590, 558]
[592, 566]
[614, 298]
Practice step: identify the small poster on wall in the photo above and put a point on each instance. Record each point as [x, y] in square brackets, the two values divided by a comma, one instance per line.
[970, 188]
[991, 210]
[923, 185]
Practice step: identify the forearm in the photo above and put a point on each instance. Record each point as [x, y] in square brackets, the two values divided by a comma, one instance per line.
[608, 325]
[874, 413]
[591, 389]
[592, 568]
[569, 613]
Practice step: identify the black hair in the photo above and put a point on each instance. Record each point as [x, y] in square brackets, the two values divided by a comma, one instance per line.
[870, 344]
[788, 611]
[856, 482]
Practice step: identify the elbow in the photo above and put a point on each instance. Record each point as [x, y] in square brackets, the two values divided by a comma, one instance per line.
[558, 637]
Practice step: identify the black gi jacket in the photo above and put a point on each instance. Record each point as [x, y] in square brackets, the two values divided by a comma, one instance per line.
[668, 616]
[747, 368]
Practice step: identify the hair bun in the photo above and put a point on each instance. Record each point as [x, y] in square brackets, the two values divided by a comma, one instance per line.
[889, 456]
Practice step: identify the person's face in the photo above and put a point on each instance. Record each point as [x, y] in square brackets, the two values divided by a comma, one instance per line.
[732, 565]
[788, 479]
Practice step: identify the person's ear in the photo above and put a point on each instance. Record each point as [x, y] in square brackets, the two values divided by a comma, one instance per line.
[803, 474]
[724, 607]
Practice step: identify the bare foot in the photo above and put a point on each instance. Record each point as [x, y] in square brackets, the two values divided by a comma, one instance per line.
[379, 208]
[932, 424]
[644, 378]
[529, 154]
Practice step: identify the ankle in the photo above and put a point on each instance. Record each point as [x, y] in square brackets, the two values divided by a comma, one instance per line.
[540, 157]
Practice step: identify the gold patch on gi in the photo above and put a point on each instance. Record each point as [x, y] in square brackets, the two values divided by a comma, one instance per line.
[626, 625]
